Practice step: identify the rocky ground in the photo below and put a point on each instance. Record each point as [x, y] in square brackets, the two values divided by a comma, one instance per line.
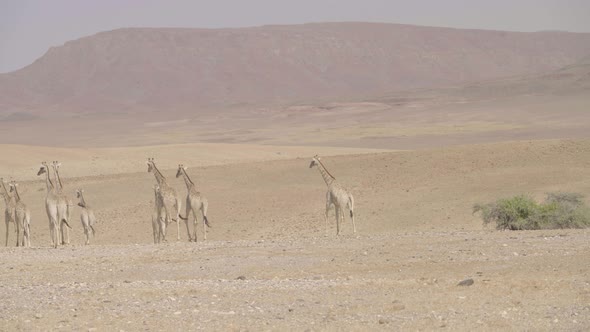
[536, 280]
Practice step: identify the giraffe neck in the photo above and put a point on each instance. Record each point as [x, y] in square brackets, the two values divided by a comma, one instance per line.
[159, 177]
[328, 178]
[187, 180]
[48, 182]
[16, 195]
[7, 196]
[57, 179]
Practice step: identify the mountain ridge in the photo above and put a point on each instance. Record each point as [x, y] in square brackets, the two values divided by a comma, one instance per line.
[186, 68]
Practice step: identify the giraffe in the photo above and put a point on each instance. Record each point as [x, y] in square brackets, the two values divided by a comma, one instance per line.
[194, 203]
[158, 216]
[170, 202]
[54, 213]
[22, 218]
[336, 195]
[9, 211]
[86, 216]
[65, 203]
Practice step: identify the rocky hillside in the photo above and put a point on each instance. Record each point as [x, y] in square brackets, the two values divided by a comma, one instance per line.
[183, 69]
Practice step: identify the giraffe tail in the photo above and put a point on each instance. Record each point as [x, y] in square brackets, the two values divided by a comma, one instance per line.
[66, 222]
[181, 217]
[204, 207]
[93, 231]
[351, 205]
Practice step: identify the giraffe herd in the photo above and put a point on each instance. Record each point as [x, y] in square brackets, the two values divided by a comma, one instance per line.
[167, 206]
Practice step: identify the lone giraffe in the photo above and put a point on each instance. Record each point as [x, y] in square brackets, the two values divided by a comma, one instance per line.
[64, 202]
[22, 218]
[194, 202]
[169, 199]
[54, 214]
[336, 195]
[10, 209]
[86, 216]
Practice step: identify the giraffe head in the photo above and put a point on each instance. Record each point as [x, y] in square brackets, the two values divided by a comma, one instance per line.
[12, 185]
[181, 169]
[314, 161]
[55, 164]
[81, 203]
[44, 168]
[150, 164]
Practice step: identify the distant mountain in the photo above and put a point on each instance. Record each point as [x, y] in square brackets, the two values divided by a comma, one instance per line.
[173, 69]
[573, 79]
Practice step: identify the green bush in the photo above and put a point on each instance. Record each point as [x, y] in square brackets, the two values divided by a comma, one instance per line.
[559, 210]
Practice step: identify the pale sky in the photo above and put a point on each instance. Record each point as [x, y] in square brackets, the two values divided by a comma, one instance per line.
[29, 27]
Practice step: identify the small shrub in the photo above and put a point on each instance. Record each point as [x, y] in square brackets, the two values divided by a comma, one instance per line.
[560, 210]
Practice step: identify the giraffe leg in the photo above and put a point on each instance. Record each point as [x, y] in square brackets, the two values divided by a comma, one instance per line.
[158, 236]
[186, 215]
[155, 229]
[7, 225]
[63, 233]
[351, 207]
[56, 237]
[58, 234]
[163, 229]
[342, 217]
[69, 210]
[204, 205]
[204, 226]
[86, 235]
[337, 220]
[86, 228]
[177, 230]
[17, 227]
[28, 229]
[328, 205]
[67, 234]
[22, 231]
[51, 231]
[177, 208]
[195, 226]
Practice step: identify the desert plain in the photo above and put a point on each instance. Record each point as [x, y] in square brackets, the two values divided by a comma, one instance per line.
[269, 263]
[416, 162]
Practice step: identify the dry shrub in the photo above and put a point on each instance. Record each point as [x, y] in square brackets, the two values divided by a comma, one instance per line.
[559, 210]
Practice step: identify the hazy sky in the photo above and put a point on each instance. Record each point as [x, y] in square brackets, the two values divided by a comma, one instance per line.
[28, 27]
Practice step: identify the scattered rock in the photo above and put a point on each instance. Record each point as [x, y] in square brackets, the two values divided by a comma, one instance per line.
[466, 282]
[38, 316]
[383, 321]
[241, 278]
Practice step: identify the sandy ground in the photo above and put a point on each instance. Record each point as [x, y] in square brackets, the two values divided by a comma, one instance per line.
[268, 263]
